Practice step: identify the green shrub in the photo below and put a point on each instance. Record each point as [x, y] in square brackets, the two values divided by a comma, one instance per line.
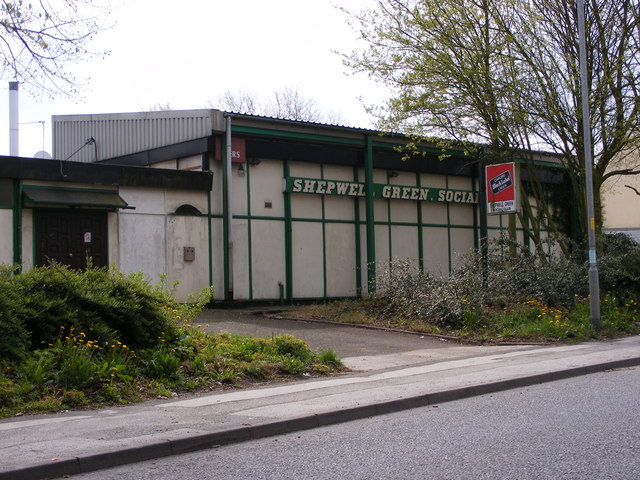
[329, 357]
[15, 338]
[162, 363]
[106, 303]
[619, 266]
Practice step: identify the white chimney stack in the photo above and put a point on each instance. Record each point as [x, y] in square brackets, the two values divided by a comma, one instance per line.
[14, 135]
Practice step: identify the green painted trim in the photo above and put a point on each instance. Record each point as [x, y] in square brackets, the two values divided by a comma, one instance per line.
[371, 233]
[420, 228]
[210, 234]
[6, 208]
[525, 218]
[259, 217]
[390, 144]
[297, 136]
[476, 228]
[318, 220]
[249, 238]
[446, 179]
[358, 249]
[429, 225]
[68, 189]
[17, 225]
[288, 238]
[324, 239]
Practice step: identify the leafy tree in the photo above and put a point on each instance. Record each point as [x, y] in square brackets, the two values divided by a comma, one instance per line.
[39, 40]
[546, 45]
[502, 77]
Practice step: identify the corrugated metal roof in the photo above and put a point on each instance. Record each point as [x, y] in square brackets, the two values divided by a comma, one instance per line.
[126, 133]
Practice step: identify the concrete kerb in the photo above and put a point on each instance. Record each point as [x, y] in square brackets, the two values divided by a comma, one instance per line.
[448, 338]
[201, 442]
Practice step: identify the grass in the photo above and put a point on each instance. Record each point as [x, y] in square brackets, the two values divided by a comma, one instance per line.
[528, 321]
[76, 371]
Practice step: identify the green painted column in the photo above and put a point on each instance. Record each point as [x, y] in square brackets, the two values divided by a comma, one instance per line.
[371, 225]
[288, 238]
[420, 228]
[358, 262]
[17, 225]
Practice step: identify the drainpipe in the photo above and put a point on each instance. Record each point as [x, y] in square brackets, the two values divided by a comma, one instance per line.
[229, 211]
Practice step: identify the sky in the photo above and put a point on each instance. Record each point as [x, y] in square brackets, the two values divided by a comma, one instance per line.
[186, 54]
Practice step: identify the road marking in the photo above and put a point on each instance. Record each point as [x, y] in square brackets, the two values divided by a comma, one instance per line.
[216, 399]
[33, 423]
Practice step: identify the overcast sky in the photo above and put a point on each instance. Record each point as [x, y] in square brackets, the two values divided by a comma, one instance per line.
[186, 54]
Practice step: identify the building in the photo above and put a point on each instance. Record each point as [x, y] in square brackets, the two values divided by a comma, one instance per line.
[621, 200]
[263, 209]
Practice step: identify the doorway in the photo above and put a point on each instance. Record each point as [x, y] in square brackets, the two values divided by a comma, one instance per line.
[71, 238]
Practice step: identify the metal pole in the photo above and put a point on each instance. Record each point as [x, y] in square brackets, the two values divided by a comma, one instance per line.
[14, 135]
[594, 283]
[229, 210]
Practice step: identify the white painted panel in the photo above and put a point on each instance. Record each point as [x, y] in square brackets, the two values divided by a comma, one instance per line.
[337, 172]
[461, 214]
[404, 242]
[268, 258]
[307, 260]
[238, 190]
[404, 211]
[434, 213]
[187, 231]
[436, 250]
[266, 187]
[145, 200]
[176, 198]
[460, 183]
[379, 176]
[363, 259]
[240, 260]
[6, 237]
[306, 205]
[304, 170]
[143, 244]
[436, 181]
[382, 243]
[380, 210]
[461, 244]
[217, 257]
[112, 236]
[495, 220]
[216, 189]
[339, 208]
[341, 260]
[28, 235]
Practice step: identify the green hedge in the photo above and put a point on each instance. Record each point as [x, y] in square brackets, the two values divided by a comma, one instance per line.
[106, 304]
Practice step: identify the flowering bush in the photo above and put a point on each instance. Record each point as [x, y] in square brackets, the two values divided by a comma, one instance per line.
[542, 283]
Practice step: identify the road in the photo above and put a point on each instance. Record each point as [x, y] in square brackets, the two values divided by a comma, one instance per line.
[582, 428]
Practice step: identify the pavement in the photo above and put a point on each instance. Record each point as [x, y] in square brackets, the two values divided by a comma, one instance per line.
[390, 372]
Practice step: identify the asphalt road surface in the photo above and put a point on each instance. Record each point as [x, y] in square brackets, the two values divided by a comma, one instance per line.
[582, 428]
[344, 340]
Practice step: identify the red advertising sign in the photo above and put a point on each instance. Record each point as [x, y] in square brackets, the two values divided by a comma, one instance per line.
[501, 188]
[238, 150]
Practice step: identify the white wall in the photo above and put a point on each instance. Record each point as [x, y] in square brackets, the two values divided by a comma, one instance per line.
[6, 236]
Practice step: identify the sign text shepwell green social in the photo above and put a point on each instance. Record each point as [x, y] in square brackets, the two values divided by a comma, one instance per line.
[399, 192]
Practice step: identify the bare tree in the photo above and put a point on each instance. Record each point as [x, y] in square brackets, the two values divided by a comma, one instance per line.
[39, 40]
[288, 103]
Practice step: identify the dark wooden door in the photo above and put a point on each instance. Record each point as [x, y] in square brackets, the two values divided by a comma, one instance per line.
[71, 237]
